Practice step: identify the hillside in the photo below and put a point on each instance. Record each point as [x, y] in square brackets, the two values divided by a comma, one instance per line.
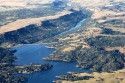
[104, 34]
[114, 77]
[90, 33]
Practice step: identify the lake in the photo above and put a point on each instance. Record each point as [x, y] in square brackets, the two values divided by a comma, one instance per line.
[33, 53]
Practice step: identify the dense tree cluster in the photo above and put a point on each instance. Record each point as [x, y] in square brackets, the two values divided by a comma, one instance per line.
[106, 41]
[33, 68]
[72, 77]
[100, 60]
[8, 74]
[111, 32]
[96, 59]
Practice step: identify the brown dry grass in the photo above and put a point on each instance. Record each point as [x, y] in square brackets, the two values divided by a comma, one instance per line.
[21, 23]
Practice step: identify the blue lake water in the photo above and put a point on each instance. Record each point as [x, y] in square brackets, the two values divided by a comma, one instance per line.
[33, 53]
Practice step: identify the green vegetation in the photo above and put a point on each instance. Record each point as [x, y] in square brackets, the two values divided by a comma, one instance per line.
[106, 41]
[33, 68]
[111, 32]
[48, 29]
[95, 58]
[114, 22]
[100, 60]
[72, 77]
[8, 73]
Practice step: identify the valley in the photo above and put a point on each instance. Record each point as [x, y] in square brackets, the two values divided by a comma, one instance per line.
[83, 40]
